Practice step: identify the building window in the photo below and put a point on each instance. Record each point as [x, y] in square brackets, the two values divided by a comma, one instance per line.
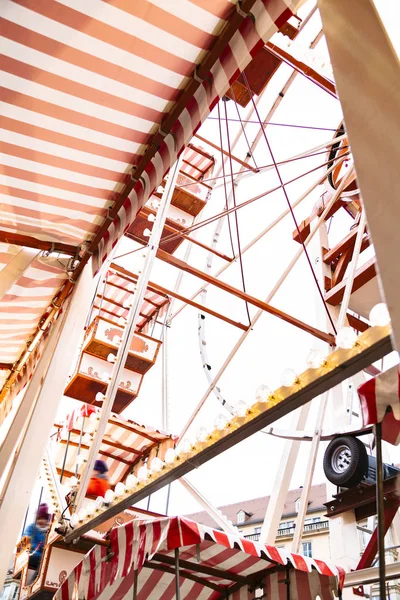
[241, 517]
[307, 549]
[286, 525]
[257, 530]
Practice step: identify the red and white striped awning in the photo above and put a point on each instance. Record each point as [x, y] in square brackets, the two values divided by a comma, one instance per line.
[124, 445]
[212, 565]
[377, 396]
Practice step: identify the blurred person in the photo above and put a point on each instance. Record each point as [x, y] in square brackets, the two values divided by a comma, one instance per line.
[99, 482]
[37, 533]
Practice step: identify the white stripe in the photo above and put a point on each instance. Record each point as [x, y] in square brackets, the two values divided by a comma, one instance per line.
[66, 128]
[58, 98]
[50, 231]
[91, 45]
[39, 145]
[195, 15]
[80, 75]
[39, 188]
[132, 25]
[387, 392]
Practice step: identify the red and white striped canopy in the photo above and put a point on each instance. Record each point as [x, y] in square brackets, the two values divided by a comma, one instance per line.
[124, 444]
[377, 395]
[212, 565]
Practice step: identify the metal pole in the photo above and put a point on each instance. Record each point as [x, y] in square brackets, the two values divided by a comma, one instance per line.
[79, 446]
[65, 456]
[380, 510]
[129, 330]
[177, 579]
[135, 578]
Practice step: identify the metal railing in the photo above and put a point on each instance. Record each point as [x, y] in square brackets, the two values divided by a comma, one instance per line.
[289, 531]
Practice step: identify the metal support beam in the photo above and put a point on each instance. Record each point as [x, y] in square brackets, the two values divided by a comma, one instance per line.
[15, 268]
[129, 331]
[380, 510]
[355, 37]
[214, 513]
[35, 438]
[373, 345]
[371, 575]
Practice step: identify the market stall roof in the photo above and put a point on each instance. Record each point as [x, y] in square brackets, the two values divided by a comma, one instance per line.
[97, 101]
[380, 402]
[125, 443]
[212, 564]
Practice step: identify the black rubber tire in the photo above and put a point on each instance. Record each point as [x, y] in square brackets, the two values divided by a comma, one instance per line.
[356, 456]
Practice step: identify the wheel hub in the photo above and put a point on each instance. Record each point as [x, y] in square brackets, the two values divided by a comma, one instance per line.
[341, 459]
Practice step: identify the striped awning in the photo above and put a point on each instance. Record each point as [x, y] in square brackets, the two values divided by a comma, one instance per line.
[125, 444]
[212, 564]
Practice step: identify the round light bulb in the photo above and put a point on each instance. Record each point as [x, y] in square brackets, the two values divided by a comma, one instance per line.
[151, 218]
[73, 481]
[186, 445]
[127, 304]
[111, 358]
[82, 514]
[63, 434]
[100, 397]
[99, 501]
[170, 456]
[147, 232]
[87, 439]
[202, 434]
[119, 489]
[262, 393]
[160, 190]
[74, 520]
[131, 481]
[379, 315]
[288, 377]
[121, 321]
[80, 459]
[346, 338]
[106, 377]
[156, 464]
[315, 359]
[143, 473]
[131, 287]
[90, 508]
[93, 417]
[109, 496]
[220, 422]
[240, 409]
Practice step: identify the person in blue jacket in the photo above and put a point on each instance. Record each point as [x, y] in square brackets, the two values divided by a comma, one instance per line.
[37, 532]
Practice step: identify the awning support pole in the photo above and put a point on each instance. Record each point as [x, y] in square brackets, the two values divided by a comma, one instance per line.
[380, 510]
[177, 578]
[65, 456]
[79, 446]
[129, 331]
[135, 578]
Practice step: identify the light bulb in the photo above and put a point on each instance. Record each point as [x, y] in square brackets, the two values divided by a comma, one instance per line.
[121, 321]
[106, 377]
[93, 417]
[220, 422]
[63, 434]
[90, 508]
[87, 439]
[156, 464]
[186, 445]
[131, 481]
[74, 520]
[379, 315]
[99, 501]
[127, 304]
[119, 489]
[288, 377]
[131, 287]
[346, 338]
[82, 514]
[80, 459]
[170, 456]
[111, 358]
[151, 218]
[147, 232]
[160, 190]
[315, 359]
[73, 481]
[202, 434]
[143, 473]
[240, 409]
[109, 496]
[262, 393]
[100, 397]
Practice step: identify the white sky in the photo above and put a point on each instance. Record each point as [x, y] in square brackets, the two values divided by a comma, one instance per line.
[248, 470]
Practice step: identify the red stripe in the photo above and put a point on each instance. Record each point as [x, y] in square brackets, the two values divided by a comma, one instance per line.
[128, 548]
[367, 396]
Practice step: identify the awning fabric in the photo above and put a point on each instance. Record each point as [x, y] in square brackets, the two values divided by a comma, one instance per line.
[212, 564]
[124, 442]
[377, 396]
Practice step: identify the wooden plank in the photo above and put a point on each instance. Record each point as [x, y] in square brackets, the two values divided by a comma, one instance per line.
[184, 574]
[180, 264]
[362, 276]
[226, 153]
[374, 344]
[331, 255]
[199, 568]
[30, 242]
